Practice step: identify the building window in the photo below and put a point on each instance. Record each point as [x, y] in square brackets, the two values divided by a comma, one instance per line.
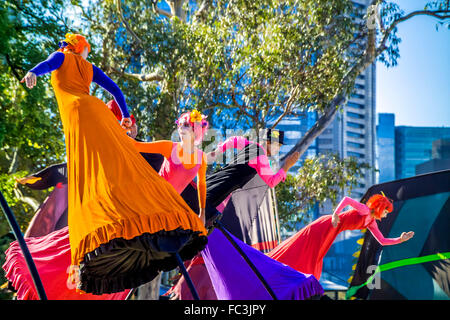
[359, 86]
[325, 141]
[355, 145]
[358, 96]
[355, 105]
[355, 125]
[355, 155]
[355, 115]
[354, 135]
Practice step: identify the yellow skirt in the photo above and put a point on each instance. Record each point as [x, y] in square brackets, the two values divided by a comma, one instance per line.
[125, 221]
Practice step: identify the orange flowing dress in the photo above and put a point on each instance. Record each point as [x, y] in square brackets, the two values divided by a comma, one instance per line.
[125, 221]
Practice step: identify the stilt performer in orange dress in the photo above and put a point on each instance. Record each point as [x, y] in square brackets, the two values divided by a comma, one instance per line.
[126, 223]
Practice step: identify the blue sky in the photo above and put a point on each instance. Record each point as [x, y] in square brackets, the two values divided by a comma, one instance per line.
[417, 90]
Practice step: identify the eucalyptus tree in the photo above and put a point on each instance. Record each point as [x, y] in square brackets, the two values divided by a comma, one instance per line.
[31, 135]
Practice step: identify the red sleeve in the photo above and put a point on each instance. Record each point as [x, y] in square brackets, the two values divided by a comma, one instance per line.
[114, 107]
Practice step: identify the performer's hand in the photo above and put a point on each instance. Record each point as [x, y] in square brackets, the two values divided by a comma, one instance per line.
[406, 236]
[202, 215]
[335, 220]
[126, 123]
[132, 131]
[29, 79]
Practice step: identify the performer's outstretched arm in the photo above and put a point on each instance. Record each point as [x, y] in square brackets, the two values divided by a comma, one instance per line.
[106, 83]
[163, 147]
[262, 167]
[373, 228]
[53, 62]
[347, 201]
[235, 142]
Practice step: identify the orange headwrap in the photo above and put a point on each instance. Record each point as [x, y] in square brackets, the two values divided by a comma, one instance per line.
[74, 43]
[378, 203]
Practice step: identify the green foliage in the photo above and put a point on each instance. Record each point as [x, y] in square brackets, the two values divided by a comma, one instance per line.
[320, 178]
[248, 57]
[254, 56]
[31, 136]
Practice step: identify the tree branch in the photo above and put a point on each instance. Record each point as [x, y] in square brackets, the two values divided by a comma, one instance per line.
[316, 130]
[89, 18]
[289, 103]
[127, 26]
[176, 8]
[435, 14]
[161, 11]
[14, 161]
[32, 202]
[155, 76]
[13, 67]
[202, 9]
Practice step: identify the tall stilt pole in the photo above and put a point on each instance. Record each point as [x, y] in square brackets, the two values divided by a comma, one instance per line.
[23, 246]
[246, 258]
[130, 294]
[187, 277]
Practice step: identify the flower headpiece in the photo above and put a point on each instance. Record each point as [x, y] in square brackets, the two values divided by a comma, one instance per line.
[196, 121]
[193, 117]
[74, 42]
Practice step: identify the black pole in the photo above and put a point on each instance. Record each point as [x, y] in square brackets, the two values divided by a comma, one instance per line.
[246, 258]
[187, 277]
[128, 297]
[23, 246]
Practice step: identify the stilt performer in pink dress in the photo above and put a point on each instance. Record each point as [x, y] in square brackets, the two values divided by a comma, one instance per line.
[305, 250]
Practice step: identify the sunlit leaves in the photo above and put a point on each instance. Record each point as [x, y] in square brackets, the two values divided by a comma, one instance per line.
[319, 179]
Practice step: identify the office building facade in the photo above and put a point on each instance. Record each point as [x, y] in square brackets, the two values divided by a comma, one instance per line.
[413, 146]
[385, 149]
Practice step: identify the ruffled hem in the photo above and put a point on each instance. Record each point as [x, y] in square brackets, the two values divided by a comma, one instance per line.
[15, 273]
[309, 289]
[164, 224]
[128, 263]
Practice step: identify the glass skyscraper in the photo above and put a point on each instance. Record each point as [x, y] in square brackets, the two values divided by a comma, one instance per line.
[413, 146]
[386, 147]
